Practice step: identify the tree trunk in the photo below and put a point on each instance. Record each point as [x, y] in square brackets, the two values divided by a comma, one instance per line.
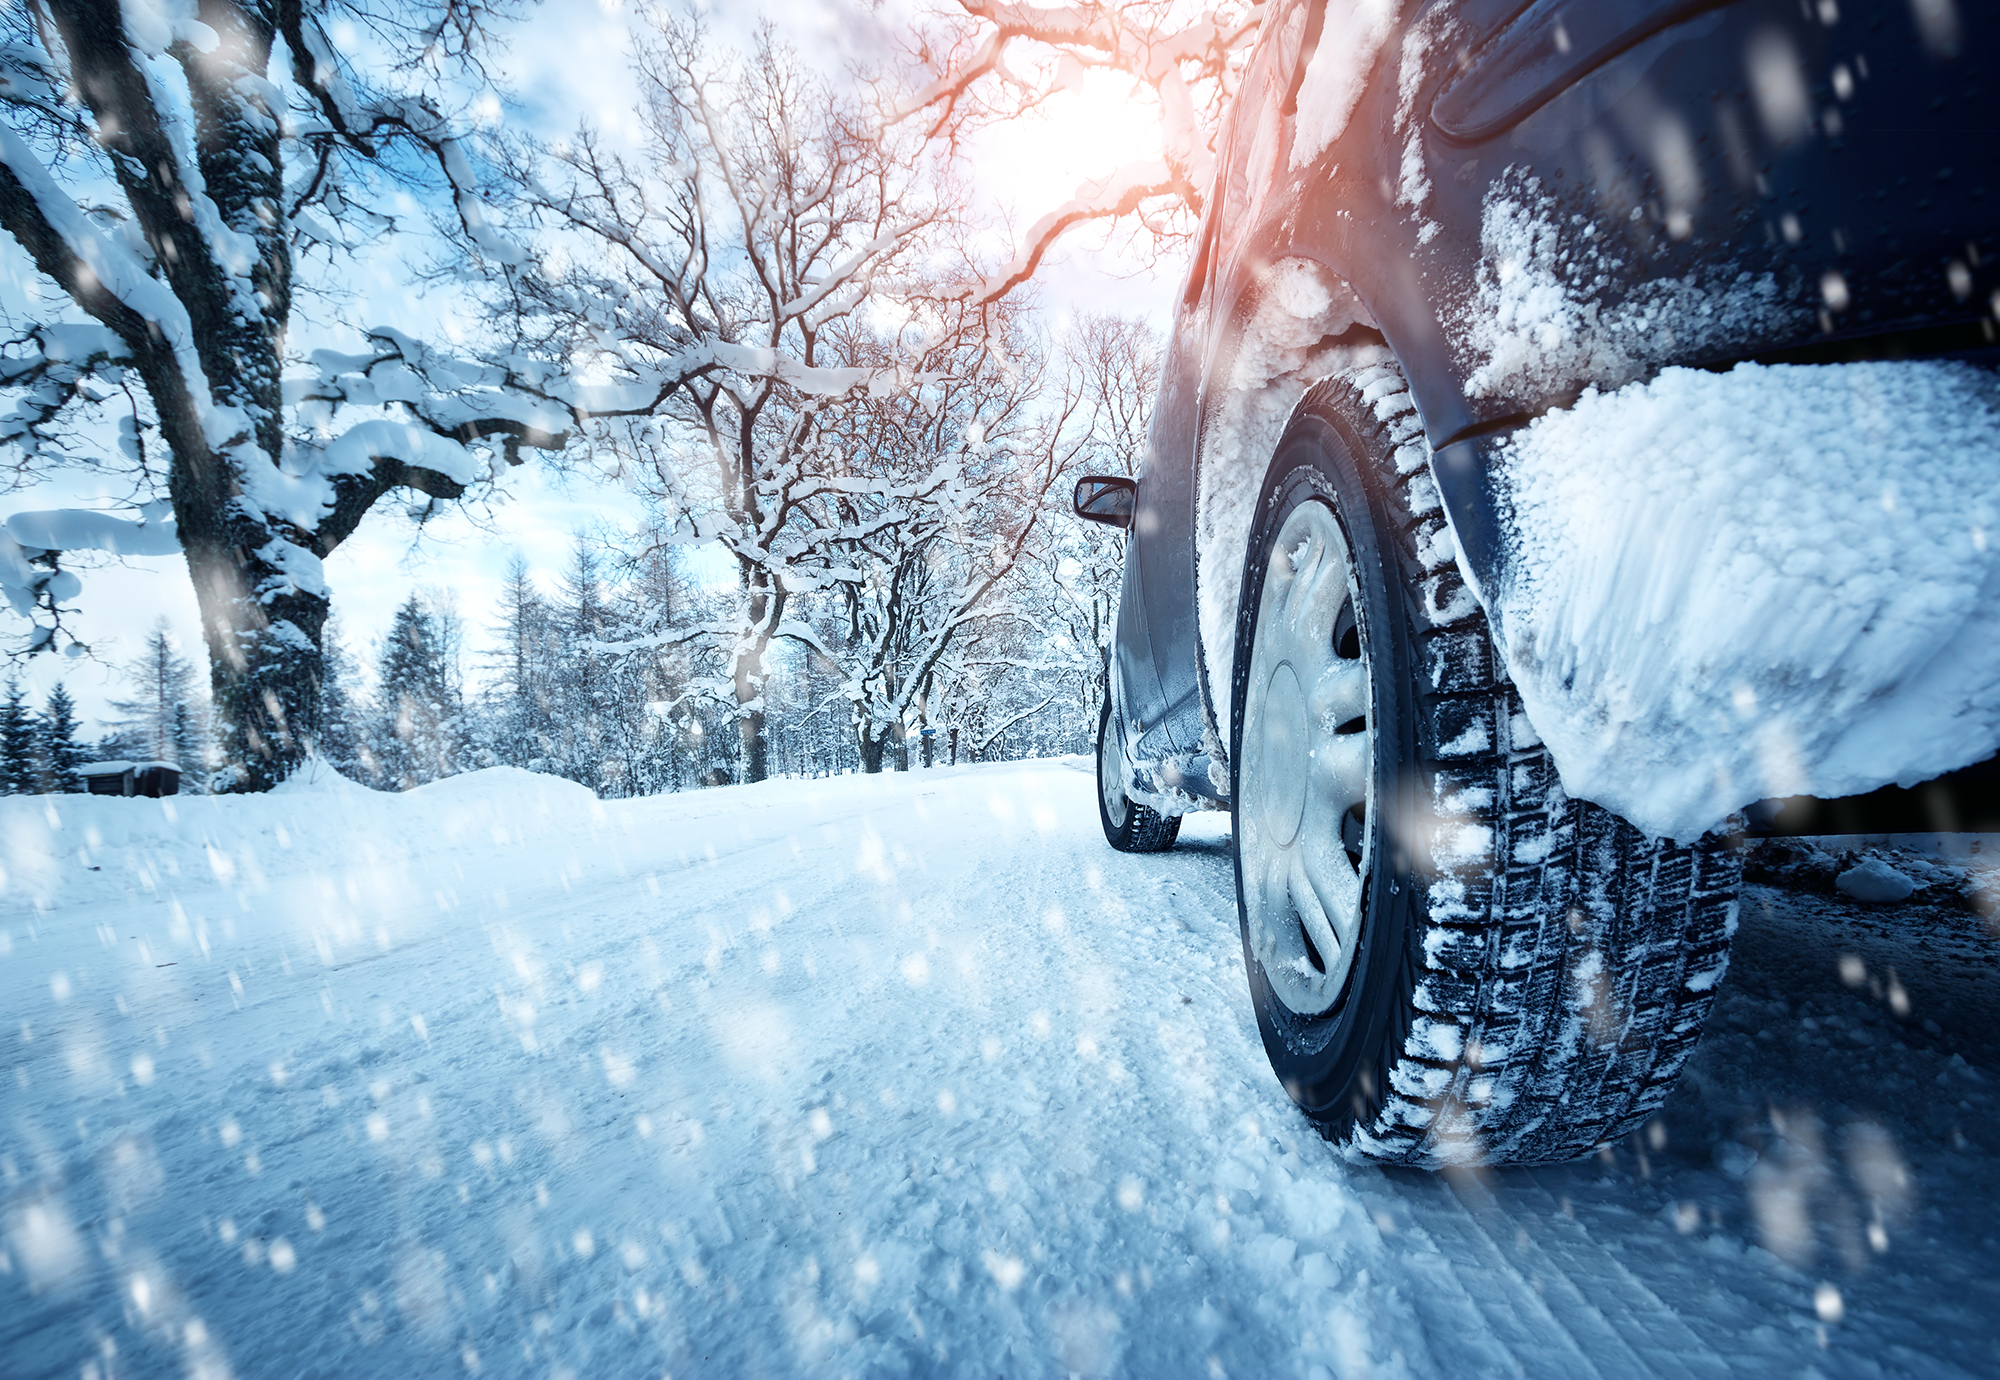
[750, 738]
[748, 674]
[871, 750]
[954, 745]
[902, 737]
[265, 663]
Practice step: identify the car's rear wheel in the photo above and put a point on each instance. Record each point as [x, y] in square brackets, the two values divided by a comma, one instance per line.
[1129, 825]
[1451, 961]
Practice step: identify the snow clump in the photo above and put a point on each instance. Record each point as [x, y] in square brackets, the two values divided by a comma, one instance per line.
[1336, 76]
[1286, 345]
[1784, 580]
[1871, 879]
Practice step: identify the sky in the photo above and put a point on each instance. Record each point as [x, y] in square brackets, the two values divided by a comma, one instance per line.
[568, 62]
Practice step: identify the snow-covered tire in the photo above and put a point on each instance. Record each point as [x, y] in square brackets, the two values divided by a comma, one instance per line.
[1129, 826]
[1530, 971]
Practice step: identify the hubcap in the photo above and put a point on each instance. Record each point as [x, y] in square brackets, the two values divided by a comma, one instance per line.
[1307, 777]
[1111, 774]
[1282, 737]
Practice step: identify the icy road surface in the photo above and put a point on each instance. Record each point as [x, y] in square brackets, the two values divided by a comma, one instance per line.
[909, 1075]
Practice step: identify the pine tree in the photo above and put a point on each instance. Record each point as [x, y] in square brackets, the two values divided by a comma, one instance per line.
[339, 717]
[653, 681]
[61, 753]
[523, 729]
[163, 682]
[17, 745]
[581, 701]
[419, 733]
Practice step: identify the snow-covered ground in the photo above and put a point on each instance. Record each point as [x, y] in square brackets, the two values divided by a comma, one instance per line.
[904, 1075]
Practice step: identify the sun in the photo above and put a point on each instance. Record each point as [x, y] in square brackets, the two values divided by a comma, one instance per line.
[1097, 123]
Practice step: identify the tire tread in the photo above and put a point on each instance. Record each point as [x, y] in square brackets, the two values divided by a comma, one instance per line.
[1574, 957]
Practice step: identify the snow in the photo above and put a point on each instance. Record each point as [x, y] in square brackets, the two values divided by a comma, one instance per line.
[1351, 38]
[905, 1074]
[1428, 35]
[1871, 879]
[1538, 328]
[153, 28]
[82, 529]
[105, 262]
[473, 211]
[317, 777]
[1719, 588]
[654, 381]
[361, 445]
[1280, 353]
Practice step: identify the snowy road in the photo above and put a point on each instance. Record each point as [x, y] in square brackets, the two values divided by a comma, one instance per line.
[906, 1075]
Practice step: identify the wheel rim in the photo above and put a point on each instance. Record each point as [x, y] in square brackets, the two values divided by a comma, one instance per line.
[1306, 779]
[1110, 774]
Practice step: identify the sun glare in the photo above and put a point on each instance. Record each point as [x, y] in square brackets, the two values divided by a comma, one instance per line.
[1097, 124]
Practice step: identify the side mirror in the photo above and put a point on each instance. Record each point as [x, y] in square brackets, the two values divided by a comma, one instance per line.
[1105, 498]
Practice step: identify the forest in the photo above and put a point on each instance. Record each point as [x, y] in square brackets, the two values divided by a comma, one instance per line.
[614, 679]
[776, 311]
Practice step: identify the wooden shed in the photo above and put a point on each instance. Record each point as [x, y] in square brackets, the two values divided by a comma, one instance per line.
[131, 778]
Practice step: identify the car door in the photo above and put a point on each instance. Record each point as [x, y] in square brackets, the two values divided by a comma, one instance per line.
[1163, 550]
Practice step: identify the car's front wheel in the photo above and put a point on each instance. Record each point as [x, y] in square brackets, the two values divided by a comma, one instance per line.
[1130, 826]
[1451, 961]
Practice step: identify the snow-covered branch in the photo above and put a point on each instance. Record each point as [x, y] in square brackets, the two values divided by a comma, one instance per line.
[1123, 193]
[164, 166]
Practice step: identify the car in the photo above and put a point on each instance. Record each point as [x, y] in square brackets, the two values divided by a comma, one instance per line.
[1438, 231]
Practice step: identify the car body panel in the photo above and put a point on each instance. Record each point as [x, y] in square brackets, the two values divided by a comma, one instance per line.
[1141, 704]
[1162, 538]
[1701, 183]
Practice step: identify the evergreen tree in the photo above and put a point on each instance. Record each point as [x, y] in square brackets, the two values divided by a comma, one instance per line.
[339, 717]
[420, 727]
[61, 753]
[654, 679]
[163, 683]
[582, 708]
[18, 769]
[523, 728]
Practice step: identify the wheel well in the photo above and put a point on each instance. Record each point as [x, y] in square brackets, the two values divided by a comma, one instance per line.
[1296, 323]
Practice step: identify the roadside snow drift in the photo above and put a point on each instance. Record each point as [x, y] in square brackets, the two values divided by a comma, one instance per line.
[1776, 581]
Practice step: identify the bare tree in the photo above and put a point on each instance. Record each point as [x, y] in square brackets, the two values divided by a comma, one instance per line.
[172, 177]
[947, 492]
[1080, 569]
[996, 678]
[704, 287]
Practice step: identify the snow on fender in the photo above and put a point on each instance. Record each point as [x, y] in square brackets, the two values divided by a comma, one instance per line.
[1782, 580]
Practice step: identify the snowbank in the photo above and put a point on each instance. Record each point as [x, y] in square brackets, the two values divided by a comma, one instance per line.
[317, 776]
[1775, 581]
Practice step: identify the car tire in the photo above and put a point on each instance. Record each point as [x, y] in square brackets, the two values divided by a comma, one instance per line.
[1129, 826]
[1518, 976]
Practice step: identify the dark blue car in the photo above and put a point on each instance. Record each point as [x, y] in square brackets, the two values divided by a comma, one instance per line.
[1438, 227]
